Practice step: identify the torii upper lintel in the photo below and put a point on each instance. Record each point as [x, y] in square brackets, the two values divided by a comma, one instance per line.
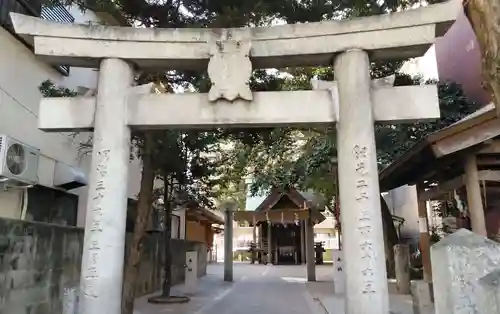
[398, 35]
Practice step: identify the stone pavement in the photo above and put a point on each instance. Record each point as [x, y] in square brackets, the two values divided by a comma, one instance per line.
[322, 292]
[262, 289]
[256, 289]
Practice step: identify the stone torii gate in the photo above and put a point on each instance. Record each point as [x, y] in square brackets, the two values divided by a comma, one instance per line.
[230, 55]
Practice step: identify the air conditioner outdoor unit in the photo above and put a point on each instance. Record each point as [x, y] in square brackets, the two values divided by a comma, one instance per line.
[18, 162]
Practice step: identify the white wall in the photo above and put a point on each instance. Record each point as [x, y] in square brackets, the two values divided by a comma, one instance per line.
[20, 77]
[328, 223]
[426, 66]
[328, 237]
[404, 203]
[326, 232]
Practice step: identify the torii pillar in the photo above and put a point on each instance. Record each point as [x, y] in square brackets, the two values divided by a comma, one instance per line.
[359, 105]
[102, 261]
[363, 239]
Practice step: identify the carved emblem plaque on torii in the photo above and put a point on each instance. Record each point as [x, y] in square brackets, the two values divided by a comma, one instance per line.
[230, 70]
[354, 102]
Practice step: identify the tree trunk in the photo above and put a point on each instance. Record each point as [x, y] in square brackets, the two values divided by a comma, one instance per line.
[390, 237]
[484, 16]
[141, 221]
[167, 237]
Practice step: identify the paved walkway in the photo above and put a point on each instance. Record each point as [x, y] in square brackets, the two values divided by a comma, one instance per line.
[263, 289]
[256, 289]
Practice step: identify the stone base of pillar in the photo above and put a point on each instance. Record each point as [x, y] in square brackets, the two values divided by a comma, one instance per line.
[402, 265]
[421, 295]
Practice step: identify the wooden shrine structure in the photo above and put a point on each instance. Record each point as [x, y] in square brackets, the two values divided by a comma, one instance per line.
[280, 225]
[461, 161]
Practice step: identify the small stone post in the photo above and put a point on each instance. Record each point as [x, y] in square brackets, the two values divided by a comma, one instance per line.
[421, 297]
[459, 262]
[402, 265]
[310, 260]
[363, 240]
[228, 242]
[103, 249]
[69, 302]
[338, 272]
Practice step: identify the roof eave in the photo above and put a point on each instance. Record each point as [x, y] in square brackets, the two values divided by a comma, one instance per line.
[410, 157]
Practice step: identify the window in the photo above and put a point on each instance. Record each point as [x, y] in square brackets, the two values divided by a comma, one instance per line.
[52, 206]
[51, 12]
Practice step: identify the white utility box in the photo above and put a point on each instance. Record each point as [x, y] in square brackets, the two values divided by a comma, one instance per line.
[191, 278]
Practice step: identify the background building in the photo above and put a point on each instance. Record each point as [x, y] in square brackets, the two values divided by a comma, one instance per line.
[59, 194]
[454, 57]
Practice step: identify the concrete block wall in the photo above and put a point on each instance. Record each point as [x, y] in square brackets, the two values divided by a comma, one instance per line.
[151, 268]
[39, 261]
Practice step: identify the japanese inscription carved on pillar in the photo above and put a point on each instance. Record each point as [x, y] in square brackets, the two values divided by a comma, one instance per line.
[362, 187]
[95, 246]
[230, 70]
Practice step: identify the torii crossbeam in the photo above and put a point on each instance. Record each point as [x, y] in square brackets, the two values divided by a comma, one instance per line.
[353, 102]
[193, 110]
